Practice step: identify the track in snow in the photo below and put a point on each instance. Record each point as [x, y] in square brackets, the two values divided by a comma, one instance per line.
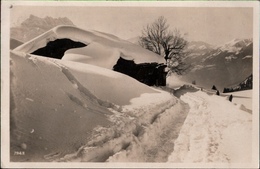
[204, 138]
[211, 131]
[164, 138]
[136, 139]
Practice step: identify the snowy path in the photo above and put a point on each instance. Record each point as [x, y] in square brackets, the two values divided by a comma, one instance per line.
[197, 128]
[158, 144]
[215, 130]
[146, 138]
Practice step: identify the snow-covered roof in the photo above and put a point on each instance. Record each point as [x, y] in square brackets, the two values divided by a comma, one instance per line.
[102, 49]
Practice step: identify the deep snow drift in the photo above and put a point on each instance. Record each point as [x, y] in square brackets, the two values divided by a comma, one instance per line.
[102, 49]
[61, 107]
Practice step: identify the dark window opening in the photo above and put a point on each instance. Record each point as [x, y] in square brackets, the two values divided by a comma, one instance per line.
[57, 48]
[148, 73]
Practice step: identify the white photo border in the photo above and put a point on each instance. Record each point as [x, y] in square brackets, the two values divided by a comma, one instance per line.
[5, 86]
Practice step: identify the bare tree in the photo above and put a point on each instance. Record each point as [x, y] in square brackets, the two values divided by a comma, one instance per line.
[158, 38]
[153, 34]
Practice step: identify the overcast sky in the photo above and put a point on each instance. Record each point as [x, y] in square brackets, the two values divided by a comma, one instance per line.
[215, 25]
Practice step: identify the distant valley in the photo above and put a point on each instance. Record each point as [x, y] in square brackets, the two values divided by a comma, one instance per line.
[222, 66]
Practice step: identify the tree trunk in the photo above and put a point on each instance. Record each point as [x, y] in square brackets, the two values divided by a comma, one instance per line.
[166, 57]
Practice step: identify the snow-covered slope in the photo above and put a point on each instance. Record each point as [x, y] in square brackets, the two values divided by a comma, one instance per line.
[59, 107]
[102, 49]
[51, 114]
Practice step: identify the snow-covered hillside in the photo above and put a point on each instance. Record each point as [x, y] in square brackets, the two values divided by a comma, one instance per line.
[102, 49]
[58, 106]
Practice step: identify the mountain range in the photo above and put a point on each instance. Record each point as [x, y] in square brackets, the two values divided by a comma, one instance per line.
[223, 66]
[34, 26]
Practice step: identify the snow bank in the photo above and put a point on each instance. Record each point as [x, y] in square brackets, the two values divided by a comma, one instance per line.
[108, 85]
[102, 49]
[214, 131]
[68, 111]
[58, 111]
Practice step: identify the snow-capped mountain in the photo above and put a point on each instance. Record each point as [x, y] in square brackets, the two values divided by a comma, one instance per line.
[199, 46]
[230, 49]
[34, 26]
[223, 65]
[235, 46]
[197, 50]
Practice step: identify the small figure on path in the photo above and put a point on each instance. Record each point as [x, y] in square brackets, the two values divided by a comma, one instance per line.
[230, 98]
[217, 93]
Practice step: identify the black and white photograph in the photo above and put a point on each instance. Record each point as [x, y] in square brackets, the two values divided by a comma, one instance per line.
[132, 84]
